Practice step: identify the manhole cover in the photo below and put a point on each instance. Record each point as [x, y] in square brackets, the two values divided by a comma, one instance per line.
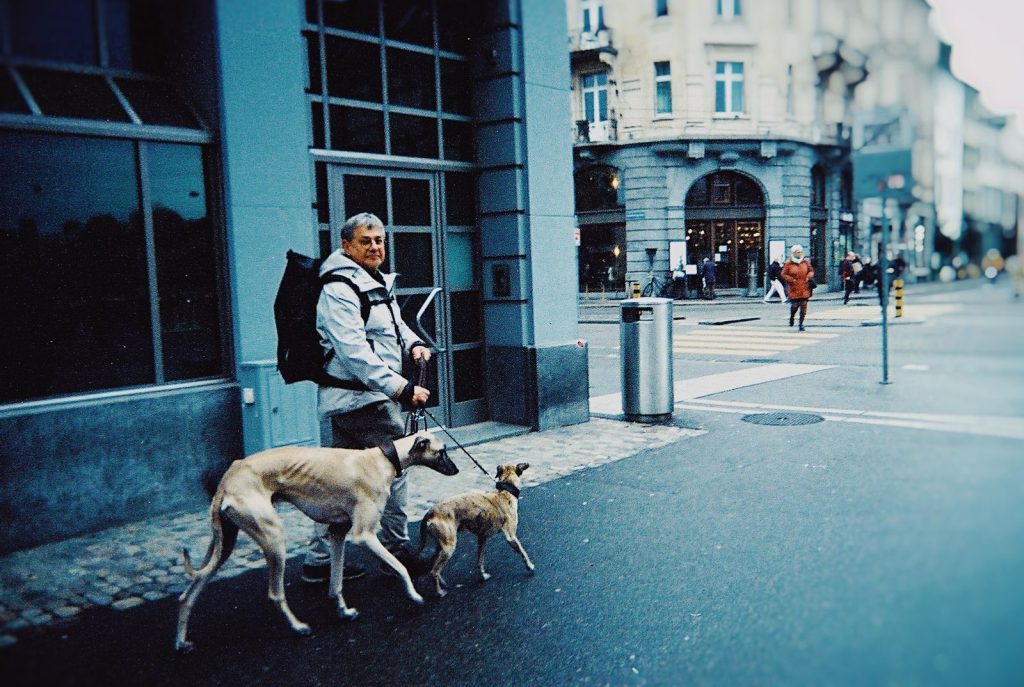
[760, 360]
[783, 419]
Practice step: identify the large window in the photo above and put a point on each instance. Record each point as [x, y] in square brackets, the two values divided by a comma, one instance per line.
[662, 88]
[374, 71]
[595, 97]
[729, 88]
[109, 264]
[593, 15]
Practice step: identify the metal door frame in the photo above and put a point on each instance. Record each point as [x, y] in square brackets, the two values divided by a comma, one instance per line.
[443, 405]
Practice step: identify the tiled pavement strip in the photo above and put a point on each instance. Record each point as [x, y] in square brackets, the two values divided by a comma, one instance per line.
[126, 566]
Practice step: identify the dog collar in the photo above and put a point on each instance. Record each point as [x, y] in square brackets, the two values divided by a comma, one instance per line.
[509, 487]
[391, 453]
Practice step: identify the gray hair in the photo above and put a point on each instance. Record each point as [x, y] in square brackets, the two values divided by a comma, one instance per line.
[796, 248]
[363, 219]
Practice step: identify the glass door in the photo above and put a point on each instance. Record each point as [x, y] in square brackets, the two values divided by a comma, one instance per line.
[432, 242]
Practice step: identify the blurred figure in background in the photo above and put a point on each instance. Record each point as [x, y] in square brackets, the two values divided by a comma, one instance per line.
[775, 281]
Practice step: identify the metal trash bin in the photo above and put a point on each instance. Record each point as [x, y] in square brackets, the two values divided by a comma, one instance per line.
[645, 353]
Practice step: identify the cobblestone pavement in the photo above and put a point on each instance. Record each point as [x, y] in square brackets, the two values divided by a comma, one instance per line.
[127, 566]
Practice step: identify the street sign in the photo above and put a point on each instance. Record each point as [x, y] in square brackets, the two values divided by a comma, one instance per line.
[888, 170]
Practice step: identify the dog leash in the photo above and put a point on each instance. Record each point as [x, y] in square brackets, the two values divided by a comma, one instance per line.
[417, 419]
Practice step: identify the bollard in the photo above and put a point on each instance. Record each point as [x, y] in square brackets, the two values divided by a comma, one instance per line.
[898, 286]
[636, 289]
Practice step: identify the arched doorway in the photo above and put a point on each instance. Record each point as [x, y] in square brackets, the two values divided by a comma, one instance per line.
[725, 222]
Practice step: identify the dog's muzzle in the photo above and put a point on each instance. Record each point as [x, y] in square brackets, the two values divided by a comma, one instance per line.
[445, 465]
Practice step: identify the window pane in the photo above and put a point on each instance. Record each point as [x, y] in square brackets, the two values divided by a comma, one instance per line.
[466, 317]
[156, 102]
[366, 194]
[662, 69]
[353, 15]
[414, 259]
[313, 82]
[353, 69]
[469, 374]
[588, 106]
[10, 96]
[664, 105]
[58, 30]
[460, 199]
[317, 111]
[719, 96]
[737, 96]
[461, 257]
[118, 28]
[323, 205]
[64, 94]
[458, 140]
[661, 8]
[455, 19]
[413, 136]
[409, 21]
[602, 105]
[410, 199]
[411, 79]
[456, 87]
[358, 129]
[186, 265]
[69, 216]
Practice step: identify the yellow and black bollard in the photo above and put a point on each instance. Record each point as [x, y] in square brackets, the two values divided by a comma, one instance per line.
[636, 289]
[898, 285]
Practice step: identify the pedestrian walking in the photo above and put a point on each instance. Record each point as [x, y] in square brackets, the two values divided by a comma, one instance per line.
[709, 279]
[366, 347]
[848, 275]
[775, 281]
[797, 275]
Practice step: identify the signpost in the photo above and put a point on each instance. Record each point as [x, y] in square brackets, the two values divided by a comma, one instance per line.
[894, 182]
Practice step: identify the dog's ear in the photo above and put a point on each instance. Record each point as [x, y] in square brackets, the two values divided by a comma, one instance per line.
[521, 468]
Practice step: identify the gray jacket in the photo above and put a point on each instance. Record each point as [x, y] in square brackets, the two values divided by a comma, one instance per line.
[368, 353]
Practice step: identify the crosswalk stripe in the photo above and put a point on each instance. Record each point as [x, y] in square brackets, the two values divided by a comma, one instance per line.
[718, 351]
[774, 345]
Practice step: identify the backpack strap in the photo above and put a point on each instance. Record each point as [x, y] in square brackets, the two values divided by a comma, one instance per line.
[364, 300]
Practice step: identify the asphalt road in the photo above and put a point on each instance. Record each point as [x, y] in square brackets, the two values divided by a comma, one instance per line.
[836, 553]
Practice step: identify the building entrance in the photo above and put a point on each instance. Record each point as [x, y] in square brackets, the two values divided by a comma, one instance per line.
[725, 223]
[732, 244]
[432, 242]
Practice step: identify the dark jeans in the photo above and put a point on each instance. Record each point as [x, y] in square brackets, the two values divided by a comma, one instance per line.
[850, 285]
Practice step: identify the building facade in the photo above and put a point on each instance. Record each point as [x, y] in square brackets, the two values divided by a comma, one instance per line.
[728, 130]
[160, 159]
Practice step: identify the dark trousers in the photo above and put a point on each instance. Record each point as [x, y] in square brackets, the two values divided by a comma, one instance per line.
[850, 285]
[797, 304]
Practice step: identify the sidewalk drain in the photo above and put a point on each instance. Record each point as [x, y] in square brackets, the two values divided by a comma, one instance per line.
[783, 419]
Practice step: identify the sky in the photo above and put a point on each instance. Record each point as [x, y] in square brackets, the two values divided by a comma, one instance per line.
[988, 48]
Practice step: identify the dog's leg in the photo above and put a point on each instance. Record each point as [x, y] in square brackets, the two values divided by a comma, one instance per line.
[446, 542]
[370, 541]
[225, 533]
[481, 544]
[263, 524]
[337, 533]
[513, 541]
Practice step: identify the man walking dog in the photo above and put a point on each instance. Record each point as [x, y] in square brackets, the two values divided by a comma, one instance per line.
[368, 348]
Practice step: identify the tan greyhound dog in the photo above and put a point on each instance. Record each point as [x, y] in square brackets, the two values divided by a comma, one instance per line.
[483, 514]
[344, 488]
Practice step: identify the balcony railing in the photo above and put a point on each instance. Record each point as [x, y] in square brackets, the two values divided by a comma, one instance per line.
[595, 132]
[591, 40]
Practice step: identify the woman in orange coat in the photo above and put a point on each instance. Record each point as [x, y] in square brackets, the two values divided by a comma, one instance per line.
[797, 273]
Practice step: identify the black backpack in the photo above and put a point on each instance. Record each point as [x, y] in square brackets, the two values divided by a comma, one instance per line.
[300, 357]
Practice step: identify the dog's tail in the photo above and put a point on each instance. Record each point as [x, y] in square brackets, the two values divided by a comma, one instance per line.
[423, 530]
[215, 550]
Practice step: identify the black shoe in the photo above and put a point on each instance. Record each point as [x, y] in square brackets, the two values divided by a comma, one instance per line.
[802, 328]
[791, 323]
[315, 574]
[414, 564]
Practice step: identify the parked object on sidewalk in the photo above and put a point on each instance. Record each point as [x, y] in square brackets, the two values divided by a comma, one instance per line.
[482, 513]
[342, 487]
[645, 342]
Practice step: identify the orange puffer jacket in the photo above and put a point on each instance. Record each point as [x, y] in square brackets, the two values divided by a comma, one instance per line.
[795, 276]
